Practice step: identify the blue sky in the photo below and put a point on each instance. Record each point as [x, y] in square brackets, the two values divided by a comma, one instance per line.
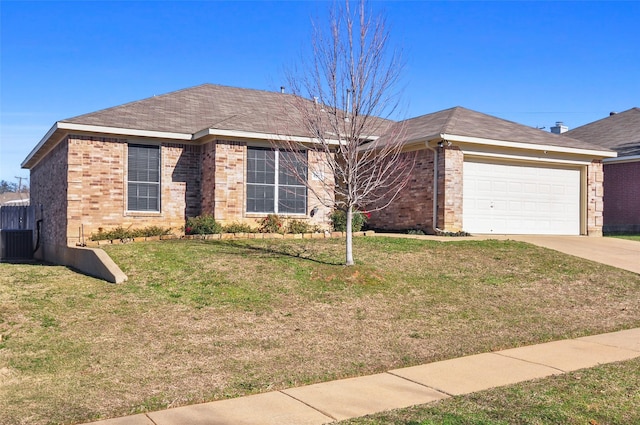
[530, 62]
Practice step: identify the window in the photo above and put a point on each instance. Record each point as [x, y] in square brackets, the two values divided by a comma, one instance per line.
[272, 184]
[143, 188]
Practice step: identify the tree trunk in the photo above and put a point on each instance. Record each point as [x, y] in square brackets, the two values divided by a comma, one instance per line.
[349, 259]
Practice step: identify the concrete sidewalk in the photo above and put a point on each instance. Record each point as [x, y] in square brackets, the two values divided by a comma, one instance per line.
[338, 400]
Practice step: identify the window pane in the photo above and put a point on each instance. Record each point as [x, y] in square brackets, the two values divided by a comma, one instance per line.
[292, 199]
[292, 168]
[260, 166]
[260, 198]
[143, 189]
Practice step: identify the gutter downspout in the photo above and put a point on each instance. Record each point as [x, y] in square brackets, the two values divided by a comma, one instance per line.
[435, 188]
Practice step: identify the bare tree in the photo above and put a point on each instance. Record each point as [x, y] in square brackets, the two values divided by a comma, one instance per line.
[343, 97]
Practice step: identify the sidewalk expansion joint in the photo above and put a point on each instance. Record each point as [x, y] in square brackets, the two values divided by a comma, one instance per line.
[421, 384]
[309, 406]
[530, 362]
[149, 417]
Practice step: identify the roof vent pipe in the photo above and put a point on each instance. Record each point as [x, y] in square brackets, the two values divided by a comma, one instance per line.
[281, 89]
[612, 113]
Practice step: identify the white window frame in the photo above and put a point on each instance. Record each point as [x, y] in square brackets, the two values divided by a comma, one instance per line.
[158, 184]
[276, 186]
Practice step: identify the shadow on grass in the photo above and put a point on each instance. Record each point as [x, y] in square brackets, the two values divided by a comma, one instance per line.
[288, 251]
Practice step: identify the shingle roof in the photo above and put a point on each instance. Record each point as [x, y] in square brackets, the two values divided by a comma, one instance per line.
[620, 132]
[197, 108]
[460, 121]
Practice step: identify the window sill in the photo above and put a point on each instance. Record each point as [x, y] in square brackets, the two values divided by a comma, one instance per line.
[143, 214]
[262, 215]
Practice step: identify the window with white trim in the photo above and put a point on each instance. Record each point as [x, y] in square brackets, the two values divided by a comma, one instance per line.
[143, 178]
[275, 182]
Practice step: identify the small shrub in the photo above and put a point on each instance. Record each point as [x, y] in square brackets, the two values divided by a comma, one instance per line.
[415, 232]
[339, 220]
[271, 224]
[238, 228]
[202, 225]
[120, 233]
[300, 226]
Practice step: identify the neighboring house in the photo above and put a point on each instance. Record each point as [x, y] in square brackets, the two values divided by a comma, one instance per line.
[203, 150]
[620, 132]
[14, 198]
[484, 175]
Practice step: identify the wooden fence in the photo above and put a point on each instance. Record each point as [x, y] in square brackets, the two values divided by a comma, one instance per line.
[17, 218]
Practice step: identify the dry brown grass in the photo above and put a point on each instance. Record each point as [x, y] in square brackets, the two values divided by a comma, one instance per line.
[200, 321]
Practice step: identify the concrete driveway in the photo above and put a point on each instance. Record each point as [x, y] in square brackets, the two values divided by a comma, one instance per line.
[620, 253]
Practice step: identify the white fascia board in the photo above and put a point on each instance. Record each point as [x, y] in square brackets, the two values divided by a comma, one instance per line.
[255, 135]
[621, 159]
[477, 154]
[67, 127]
[40, 144]
[123, 131]
[528, 146]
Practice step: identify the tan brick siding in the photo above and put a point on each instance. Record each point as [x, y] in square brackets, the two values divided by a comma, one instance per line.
[229, 181]
[413, 207]
[48, 180]
[595, 191]
[450, 174]
[320, 195]
[98, 187]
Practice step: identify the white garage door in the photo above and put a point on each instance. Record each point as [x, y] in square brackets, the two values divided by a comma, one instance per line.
[514, 199]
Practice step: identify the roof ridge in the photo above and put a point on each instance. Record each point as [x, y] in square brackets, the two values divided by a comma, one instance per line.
[450, 123]
[134, 102]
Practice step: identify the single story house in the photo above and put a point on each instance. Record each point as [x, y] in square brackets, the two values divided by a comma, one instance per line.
[620, 132]
[485, 175]
[210, 149]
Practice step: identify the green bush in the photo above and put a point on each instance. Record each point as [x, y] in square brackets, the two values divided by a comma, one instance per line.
[202, 225]
[120, 233]
[238, 228]
[300, 226]
[339, 220]
[271, 224]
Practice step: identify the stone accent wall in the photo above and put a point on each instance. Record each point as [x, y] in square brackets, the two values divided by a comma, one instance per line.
[48, 180]
[413, 207]
[622, 197]
[450, 175]
[595, 204]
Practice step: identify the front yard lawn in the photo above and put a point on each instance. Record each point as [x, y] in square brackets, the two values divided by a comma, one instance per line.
[205, 320]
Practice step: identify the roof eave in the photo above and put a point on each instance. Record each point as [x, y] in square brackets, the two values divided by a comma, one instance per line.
[529, 146]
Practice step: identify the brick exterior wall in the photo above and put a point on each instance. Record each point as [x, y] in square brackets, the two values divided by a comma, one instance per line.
[229, 181]
[224, 188]
[622, 197]
[450, 174]
[413, 208]
[319, 197]
[48, 181]
[595, 204]
[82, 187]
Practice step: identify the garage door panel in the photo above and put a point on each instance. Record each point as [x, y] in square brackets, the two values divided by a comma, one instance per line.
[515, 199]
